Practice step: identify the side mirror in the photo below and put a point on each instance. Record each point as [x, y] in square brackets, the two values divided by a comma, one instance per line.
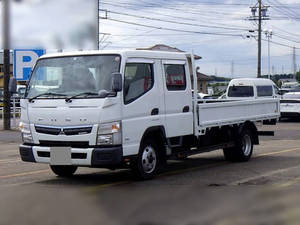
[116, 82]
[12, 85]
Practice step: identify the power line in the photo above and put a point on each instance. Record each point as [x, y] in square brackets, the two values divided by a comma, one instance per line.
[285, 38]
[199, 16]
[173, 29]
[190, 11]
[174, 22]
[292, 34]
[284, 10]
[280, 44]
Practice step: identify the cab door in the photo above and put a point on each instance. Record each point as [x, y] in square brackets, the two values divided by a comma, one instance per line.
[143, 103]
[178, 98]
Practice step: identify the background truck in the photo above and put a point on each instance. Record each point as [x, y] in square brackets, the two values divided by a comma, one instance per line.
[251, 88]
[116, 109]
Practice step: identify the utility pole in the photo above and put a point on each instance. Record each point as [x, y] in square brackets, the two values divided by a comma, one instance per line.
[294, 61]
[269, 34]
[259, 41]
[98, 24]
[6, 63]
[232, 69]
[262, 15]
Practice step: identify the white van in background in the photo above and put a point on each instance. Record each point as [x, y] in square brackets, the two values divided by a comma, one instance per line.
[251, 88]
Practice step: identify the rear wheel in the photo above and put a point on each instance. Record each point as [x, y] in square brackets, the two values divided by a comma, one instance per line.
[148, 160]
[63, 171]
[242, 151]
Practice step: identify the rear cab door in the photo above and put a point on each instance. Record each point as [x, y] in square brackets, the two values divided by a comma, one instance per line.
[178, 98]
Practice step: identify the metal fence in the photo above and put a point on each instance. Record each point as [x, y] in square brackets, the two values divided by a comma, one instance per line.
[15, 111]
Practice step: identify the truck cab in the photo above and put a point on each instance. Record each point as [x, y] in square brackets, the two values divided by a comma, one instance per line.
[71, 116]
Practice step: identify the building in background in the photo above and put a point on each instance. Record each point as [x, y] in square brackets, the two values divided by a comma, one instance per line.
[203, 82]
[202, 79]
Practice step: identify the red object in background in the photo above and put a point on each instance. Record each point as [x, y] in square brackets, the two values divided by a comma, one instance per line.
[175, 79]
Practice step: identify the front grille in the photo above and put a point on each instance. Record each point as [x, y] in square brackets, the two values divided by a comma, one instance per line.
[73, 144]
[47, 130]
[63, 131]
[77, 130]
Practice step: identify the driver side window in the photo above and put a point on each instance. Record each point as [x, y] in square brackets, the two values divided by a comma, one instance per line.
[138, 80]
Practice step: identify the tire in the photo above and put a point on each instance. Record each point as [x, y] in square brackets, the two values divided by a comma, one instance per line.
[148, 161]
[242, 151]
[63, 171]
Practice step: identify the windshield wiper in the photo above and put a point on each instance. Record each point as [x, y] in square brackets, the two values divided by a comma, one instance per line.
[81, 94]
[45, 94]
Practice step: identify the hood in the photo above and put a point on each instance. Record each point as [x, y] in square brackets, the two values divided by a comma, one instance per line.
[57, 112]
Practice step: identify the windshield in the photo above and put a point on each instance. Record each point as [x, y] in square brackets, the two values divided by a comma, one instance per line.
[240, 91]
[69, 76]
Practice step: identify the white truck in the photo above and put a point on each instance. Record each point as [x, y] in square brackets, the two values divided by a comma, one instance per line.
[251, 88]
[135, 109]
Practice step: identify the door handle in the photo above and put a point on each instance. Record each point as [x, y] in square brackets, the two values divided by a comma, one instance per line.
[186, 109]
[154, 111]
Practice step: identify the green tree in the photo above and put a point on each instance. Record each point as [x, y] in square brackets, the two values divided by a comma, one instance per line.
[298, 76]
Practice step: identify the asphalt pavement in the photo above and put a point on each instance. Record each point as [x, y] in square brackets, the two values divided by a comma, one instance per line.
[203, 189]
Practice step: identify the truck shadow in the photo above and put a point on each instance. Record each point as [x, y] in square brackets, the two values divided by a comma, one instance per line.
[125, 175]
[176, 169]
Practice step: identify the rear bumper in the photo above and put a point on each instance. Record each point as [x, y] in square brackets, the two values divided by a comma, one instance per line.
[92, 157]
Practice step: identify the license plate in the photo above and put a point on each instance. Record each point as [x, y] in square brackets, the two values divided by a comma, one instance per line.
[60, 156]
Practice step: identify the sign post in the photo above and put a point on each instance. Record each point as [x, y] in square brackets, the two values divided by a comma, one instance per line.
[24, 60]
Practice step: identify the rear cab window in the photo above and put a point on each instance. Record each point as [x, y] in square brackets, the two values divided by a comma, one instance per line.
[175, 77]
[240, 91]
[264, 91]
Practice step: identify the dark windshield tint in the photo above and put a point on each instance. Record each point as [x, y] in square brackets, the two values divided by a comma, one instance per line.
[240, 91]
[73, 75]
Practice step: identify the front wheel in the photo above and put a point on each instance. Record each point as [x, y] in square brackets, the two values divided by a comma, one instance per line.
[242, 151]
[63, 171]
[147, 163]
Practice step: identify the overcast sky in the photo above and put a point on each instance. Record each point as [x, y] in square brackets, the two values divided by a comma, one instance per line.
[216, 30]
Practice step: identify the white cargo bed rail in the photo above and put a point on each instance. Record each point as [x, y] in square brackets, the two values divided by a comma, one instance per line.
[216, 114]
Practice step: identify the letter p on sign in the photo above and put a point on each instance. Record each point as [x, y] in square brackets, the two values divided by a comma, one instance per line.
[24, 60]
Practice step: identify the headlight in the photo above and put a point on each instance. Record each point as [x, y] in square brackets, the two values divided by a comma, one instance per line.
[26, 133]
[109, 134]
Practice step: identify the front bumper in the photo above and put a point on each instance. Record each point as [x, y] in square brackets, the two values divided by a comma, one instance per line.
[93, 157]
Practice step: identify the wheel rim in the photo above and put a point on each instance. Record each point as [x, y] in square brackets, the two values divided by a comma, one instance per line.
[149, 159]
[247, 144]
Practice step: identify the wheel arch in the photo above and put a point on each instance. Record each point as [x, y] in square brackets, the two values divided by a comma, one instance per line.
[251, 126]
[155, 132]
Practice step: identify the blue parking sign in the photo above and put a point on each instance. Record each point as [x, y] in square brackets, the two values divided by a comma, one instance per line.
[24, 60]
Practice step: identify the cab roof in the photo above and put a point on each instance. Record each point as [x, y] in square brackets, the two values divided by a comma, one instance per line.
[124, 53]
[251, 81]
